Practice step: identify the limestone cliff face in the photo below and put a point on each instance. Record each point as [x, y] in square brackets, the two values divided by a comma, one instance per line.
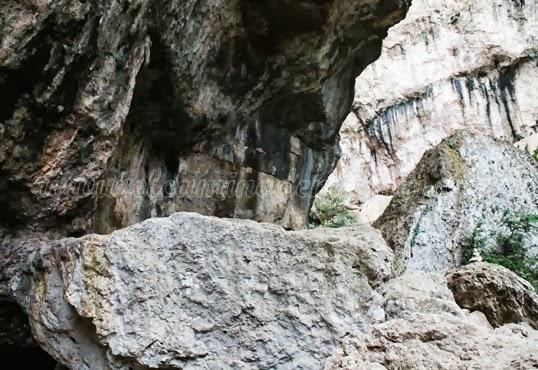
[449, 65]
[166, 94]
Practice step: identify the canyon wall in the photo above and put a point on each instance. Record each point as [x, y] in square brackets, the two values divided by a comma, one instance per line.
[167, 95]
[449, 65]
[113, 112]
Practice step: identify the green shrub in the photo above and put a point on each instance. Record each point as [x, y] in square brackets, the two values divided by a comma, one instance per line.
[510, 251]
[535, 154]
[330, 211]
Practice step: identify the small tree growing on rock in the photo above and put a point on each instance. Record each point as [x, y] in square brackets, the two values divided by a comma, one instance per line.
[329, 210]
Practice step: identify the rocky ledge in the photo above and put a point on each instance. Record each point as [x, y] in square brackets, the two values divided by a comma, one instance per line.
[190, 292]
[240, 100]
[194, 292]
[429, 331]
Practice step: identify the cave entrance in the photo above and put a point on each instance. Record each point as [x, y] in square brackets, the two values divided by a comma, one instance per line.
[157, 132]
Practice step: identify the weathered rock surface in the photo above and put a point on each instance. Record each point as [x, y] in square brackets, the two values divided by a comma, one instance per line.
[14, 252]
[194, 292]
[429, 331]
[418, 292]
[466, 181]
[147, 92]
[450, 64]
[496, 291]
[116, 111]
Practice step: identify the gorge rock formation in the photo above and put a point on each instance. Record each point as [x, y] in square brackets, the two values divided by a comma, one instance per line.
[116, 111]
[433, 333]
[451, 64]
[495, 291]
[116, 114]
[155, 95]
[192, 292]
[467, 181]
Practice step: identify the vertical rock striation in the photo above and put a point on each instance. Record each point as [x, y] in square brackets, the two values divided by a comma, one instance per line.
[449, 65]
[174, 94]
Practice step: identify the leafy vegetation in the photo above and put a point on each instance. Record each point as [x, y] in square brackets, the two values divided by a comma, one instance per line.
[330, 211]
[511, 250]
[535, 154]
[414, 236]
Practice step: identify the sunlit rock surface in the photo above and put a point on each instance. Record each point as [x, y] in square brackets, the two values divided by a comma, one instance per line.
[451, 64]
[466, 182]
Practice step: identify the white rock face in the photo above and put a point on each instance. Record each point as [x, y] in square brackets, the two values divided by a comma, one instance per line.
[463, 187]
[451, 64]
[195, 292]
[373, 208]
[530, 143]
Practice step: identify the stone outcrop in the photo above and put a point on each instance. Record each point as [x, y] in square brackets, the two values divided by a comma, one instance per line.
[116, 111]
[496, 291]
[193, 292]
[466, 181]
[449, 65]
[431, 332]
[174, 99]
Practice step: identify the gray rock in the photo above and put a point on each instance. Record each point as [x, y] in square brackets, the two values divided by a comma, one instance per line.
[193, 292]
[14, 253]
[496, 291]
[182, 92]
[466, 181]
[426, 336]
[117, 111]
[418, 292]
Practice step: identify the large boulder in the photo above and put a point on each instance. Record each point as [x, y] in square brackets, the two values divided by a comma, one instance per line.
[467, 181]
[430, 331]
[496, 291]
[193, 292]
